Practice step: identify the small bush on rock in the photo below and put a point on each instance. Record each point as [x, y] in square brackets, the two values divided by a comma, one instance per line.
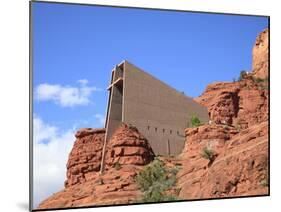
[243, 75]
[117, 165]
[264, 182]
[262, 83]
[154, 180]
[195, 121]
[208, 153]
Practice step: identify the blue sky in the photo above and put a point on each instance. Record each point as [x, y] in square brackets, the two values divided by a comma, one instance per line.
[75, 48]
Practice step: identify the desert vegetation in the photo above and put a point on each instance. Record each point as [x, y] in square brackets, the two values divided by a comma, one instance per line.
[262, 82]
[242, 75]
[155, 180]
[195, 121]
[117, 165]
[208, 153]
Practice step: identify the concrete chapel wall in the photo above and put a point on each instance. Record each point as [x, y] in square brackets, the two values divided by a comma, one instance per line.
[159, 112]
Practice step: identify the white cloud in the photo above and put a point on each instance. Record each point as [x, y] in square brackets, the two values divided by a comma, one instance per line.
[49, 158]
[42, 131]
[66, 96]
[83, 81]
[101, 119]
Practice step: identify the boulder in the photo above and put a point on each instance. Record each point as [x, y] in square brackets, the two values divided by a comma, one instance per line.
[128, 147]
[85, 157]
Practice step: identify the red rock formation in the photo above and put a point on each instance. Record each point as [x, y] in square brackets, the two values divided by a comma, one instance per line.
[115, 186]
[86, 186]
[239, 169]
[212, 136]
[222, 101]
[238, 137]
[128, 146]
[241, 104]
[85, 157]
[245, 102]
[260, 55]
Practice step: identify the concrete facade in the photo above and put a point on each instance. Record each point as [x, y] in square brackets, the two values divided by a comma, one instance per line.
[159, 112]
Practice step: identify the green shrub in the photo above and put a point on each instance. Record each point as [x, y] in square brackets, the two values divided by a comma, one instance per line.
[178, 190]
[262, 83]
[154, 180]
[195, 121]
[264, 182]
[259, 80]
[243, 75]
[117, 165]
[208, 153]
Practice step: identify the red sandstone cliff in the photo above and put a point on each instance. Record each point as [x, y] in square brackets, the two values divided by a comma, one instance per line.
[85, 157]
[128, 147]
[237, 137]
[242, 103]
[128, 151]
[260, 55]
[240, 166]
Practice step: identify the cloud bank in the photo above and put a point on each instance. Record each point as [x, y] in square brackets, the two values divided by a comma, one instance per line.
[65, 96]
[51, 147]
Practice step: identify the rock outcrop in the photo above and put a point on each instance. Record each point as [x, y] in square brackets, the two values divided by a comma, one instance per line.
[128, 146]
[236, 138]
[260, 55]
[85, 157]
[127, 152]
[240, 167]
[240, 104]
[115, 186]
[212, 136]
[245, 102]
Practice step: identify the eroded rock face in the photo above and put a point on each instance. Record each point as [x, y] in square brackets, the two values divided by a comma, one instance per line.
[222, 101]
[260, 55]
[239, 169]
[237, 137]
[85, 157]
[86, 186]
[244, 161]
[113, 187]
[212, 136]
[245, 102]
[240, 104]
[128, 146]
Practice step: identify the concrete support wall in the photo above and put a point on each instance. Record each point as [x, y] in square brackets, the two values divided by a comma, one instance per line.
[159, 112]
[115, 103]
